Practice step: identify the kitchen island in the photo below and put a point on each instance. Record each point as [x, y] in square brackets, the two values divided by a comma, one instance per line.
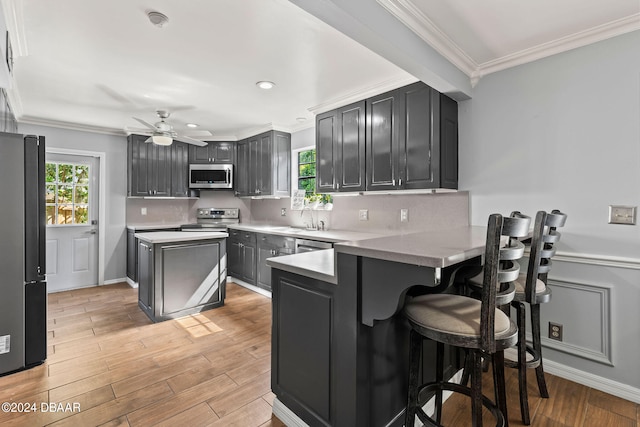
[180, 273]
[339, 347]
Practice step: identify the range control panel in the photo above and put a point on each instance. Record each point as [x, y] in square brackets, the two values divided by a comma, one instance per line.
[218, 213]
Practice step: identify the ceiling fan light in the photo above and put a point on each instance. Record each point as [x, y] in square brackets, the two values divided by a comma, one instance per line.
[192, 125]
[162, 139]
[265, 85]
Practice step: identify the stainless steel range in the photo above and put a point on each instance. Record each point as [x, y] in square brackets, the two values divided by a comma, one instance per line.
[214, 219]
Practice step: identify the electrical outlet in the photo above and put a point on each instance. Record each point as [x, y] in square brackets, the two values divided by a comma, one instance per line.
[283, 211]
[404, 215]
[143, 211]
[363, 215]
[622, 215]
[555, 331]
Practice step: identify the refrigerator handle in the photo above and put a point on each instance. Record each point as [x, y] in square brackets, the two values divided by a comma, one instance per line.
[42, 211]
[34, 209]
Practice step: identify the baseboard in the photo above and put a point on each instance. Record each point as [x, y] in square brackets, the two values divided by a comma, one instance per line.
[114, 281]
[606, 385]
[130, 282]
[285, 414]
[249, 286]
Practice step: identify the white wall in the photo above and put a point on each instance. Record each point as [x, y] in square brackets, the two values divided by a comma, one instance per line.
[564, 133]
[115, 149]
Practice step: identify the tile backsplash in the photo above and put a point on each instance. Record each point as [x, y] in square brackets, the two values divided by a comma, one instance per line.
[426, 211]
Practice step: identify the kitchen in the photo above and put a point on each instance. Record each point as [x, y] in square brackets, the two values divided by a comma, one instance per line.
[554, 114]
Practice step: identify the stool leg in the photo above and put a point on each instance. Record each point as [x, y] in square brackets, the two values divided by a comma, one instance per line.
[537, 346]
[499, 384]
[415, 350]
[476, 389]
[439, 379]
[522, 362]
[467, 367]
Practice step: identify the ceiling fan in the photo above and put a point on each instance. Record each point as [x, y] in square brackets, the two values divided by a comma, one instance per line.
[162, 133]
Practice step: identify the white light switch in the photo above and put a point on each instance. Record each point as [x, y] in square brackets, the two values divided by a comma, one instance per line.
[143, 211]
[404, 215]
[622, 215]
[363, 215]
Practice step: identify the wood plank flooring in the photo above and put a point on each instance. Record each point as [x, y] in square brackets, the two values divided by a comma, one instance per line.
[105, 355]
[209, 369]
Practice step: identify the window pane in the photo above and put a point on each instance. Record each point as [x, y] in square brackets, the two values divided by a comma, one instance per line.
[308, 169]
[82, 194]
[65, 173]
[82, 174]
[65, 193]
[82, 214]
[307, 184]
[308, 156]
[51, 214]
[50, 172]
[65, 214]
[51, 193]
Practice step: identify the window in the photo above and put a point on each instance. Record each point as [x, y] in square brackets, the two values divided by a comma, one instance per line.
[307, 171]
[67, 193]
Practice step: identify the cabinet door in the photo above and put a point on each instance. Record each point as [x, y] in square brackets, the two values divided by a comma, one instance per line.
[223, 152]
[264, 164]
[160, 170]
[234, 253]
[179, 169]
[448, 143]
[281, 165]
[145, 275]
[249, 263]
[253, 172]
[242, 169]
[382, 141]
[132, 251]
[263, 272]
[200, 155]
[139, 173]
[326, 144]
[419, 136]
[350, 161]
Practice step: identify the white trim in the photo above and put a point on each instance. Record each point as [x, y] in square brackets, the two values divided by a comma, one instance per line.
[286, 415]
[253, 288]
[121, 280]
[599, 260]
[102, 202]
[130, 282]
[67, 125]
[14, 18]
[410, 15]
[606, 385]
[361, 94]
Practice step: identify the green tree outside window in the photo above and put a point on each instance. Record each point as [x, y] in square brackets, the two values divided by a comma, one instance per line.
[67, 193]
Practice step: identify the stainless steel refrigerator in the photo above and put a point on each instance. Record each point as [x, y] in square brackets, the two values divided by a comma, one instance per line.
[23, 289]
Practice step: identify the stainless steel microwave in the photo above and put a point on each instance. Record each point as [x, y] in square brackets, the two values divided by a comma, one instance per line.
[217, 176]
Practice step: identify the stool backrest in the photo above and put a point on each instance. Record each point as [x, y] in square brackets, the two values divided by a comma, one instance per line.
[500, 266]
[550, 237]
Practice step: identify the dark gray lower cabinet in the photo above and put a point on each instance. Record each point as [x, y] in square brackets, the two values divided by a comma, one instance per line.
[145, 279]
[132, 251]
[268, 246]
[242, 255]
[301, 374]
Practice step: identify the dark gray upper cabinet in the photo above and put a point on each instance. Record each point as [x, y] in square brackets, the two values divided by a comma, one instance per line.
[264, 165]
[149, 168]
[213, 152]
[412, 140]
[405, 139]
[340, 149]
[154, 170]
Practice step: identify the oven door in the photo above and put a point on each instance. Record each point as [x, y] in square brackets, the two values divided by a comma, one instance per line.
[211, 176]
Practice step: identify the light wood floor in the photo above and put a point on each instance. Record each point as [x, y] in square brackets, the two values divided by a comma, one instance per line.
[208, 369]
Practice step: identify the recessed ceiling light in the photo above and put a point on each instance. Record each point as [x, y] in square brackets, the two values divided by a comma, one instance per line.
[265, 85]
[192, 125]
[301, 119]
[158, 19]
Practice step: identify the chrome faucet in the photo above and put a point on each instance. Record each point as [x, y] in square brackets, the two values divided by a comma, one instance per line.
[321, 225]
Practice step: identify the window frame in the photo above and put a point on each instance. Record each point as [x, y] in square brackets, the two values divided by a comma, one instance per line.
[57, 184]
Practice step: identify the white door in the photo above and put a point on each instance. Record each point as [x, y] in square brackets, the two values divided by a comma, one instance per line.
[72, 221]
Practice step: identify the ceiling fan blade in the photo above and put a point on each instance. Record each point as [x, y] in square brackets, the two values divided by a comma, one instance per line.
[148, 140]
[197, 133]
[147, 124]
[189, 140]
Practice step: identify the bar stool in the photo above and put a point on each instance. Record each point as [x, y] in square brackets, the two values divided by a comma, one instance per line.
[471, 324]
[531, 287]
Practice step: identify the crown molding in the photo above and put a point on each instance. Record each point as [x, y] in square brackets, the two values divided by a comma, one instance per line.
[361, 94]
[30, 120]
[411, 16]
[564, 44]
[13, 15]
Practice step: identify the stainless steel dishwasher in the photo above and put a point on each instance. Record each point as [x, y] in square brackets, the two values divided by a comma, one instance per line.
[304, 245]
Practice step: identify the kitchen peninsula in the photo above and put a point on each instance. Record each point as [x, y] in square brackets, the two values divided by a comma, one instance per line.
[339, 350]
[180, 273]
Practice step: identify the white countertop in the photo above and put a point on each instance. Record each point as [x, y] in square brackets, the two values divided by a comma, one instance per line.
[438, 249]
[317, 264]
[179, 236]
[142, 227]
[332, 236]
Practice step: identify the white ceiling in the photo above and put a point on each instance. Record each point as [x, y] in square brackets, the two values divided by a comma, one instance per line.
[95, 64]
